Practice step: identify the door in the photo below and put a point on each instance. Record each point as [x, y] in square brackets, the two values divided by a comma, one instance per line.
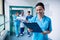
[12, 12]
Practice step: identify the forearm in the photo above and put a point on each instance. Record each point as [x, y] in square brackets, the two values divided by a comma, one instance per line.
[46, 32]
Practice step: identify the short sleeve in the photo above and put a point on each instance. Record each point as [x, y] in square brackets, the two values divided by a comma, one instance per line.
[50, 25]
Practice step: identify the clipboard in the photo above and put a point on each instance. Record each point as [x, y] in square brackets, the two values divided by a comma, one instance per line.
[34, 26]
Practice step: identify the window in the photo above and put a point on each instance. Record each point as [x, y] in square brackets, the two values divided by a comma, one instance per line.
[1, 15]
[1, 23]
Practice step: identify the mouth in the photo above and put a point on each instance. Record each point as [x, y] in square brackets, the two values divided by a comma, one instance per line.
[40, 12]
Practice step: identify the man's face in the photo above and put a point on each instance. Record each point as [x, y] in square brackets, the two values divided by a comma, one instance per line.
[17, 14]
[28, 13]
[40, 10]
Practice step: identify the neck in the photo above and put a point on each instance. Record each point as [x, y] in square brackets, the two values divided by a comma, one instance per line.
[40, 17]
[28, 15]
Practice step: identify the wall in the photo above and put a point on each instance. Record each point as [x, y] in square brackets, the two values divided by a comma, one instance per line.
[54, 10]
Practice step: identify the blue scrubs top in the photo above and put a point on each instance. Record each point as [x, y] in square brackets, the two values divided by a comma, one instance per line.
[16, 21]
[29, 17]
[45, 24]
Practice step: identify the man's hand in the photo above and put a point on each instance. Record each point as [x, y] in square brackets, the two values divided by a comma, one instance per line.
[30, 30]
[46, 32]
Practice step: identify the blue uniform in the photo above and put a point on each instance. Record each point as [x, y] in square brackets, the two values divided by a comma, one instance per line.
[45, 24]
[29, 17]
[16, 24]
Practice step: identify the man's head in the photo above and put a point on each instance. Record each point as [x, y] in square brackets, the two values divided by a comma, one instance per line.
[17, 13]
[40, 8]
[28, 13]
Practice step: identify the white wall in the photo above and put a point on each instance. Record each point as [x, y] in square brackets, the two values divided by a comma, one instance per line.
[52, 10]
[55, 11]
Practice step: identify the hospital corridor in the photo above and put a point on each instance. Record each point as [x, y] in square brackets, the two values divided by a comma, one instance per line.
[29, 19]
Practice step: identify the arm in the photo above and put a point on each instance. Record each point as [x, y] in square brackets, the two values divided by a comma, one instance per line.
[46, 32]
[49, 29]
[30, 30]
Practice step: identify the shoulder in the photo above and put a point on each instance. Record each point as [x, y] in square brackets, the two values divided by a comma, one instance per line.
[34, 17]
[31, 15]
[47, 18]
[14, 16]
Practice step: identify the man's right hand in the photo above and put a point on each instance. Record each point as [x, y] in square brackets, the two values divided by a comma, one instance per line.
[30, 30]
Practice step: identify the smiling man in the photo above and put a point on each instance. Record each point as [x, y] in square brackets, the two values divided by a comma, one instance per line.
[43, 21]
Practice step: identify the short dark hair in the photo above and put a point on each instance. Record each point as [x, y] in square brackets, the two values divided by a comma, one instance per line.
[28, 11]
[40, 4]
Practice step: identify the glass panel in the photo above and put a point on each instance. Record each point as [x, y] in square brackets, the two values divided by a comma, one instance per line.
[1, 28]
[1, 23]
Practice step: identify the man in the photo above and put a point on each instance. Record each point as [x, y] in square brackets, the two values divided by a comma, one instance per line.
[22, 26]
[43, 21]
[16, 23]
[27, 18]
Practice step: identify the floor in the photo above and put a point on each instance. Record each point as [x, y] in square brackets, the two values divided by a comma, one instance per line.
[13, 37]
